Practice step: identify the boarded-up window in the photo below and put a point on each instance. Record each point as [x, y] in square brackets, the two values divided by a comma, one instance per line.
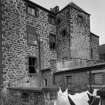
[98, 78]
[32, 36]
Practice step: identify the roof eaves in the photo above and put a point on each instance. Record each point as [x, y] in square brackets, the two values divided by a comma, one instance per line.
[34, 4]
[94, 35]
[82, 69]
[73, 5]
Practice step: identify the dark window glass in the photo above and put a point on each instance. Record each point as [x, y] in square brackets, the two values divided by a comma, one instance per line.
[51, 19]
[80, 20]
[25, 97]
[58, 21]
[91, 53]
[63, 33]
[32, 64]
[52, 42]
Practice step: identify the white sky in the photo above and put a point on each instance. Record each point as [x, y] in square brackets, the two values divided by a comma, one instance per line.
[94, 7]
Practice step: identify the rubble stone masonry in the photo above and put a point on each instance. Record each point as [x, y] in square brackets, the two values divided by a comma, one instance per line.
[15, 47]
[71, 28]
[80, 34]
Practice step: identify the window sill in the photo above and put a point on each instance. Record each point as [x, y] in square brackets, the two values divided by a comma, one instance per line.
[32, 44]
[32, 74]
[32, 15]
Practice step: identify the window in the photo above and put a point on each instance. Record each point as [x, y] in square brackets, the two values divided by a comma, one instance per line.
[58, 21]
[25, 97]
[91, 53]
[98, 78]
[52, 41]
[32, 64]
[32, 36]
[45, 82]
[80, 19]
[63, 33]
[33, 11]
[69, 82]
[51, 19]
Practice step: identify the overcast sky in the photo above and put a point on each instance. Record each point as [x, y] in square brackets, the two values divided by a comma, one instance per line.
[94, 7]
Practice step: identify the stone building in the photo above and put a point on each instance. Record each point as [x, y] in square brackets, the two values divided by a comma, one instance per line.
[36, 42]
[102, 52]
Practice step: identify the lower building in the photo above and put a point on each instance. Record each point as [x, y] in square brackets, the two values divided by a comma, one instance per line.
[102, 52]
[81, 79]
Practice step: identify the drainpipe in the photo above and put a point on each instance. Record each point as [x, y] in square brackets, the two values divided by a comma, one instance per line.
[39, 56]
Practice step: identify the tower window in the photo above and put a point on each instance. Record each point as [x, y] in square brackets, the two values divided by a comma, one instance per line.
[32, 64]
[58, 21]
[33, 11]
[80, 19]
[31, 35]
[64, 33]
[52, 41]
[51, 19]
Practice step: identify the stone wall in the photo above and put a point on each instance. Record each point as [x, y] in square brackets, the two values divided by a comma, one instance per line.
[63, 34]
[80, 34]
[73, 37]
[94, 47]
[20, 96]
[78, 81]
[16, 48]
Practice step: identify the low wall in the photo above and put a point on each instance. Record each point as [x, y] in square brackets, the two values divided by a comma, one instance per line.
[23, 96]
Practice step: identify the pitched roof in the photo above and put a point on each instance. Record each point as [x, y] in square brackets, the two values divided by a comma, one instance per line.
[73, 5]
[77, 7]
[102, 49]
[94, 34]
